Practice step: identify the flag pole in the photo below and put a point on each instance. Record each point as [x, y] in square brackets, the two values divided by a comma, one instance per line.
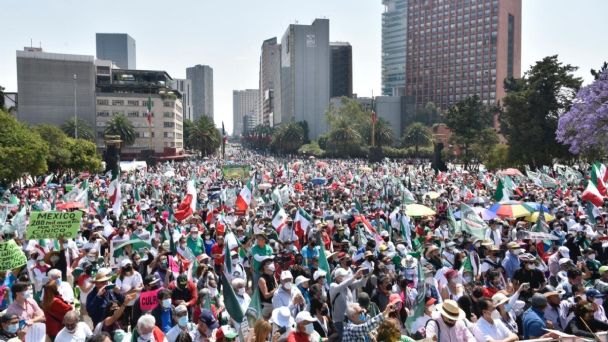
[150, 118]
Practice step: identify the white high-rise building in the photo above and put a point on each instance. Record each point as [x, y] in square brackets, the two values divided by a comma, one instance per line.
[245, 104]
[394, 36]
[184, 86]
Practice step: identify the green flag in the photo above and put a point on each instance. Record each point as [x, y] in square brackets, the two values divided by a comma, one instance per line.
[592, 212]
[541, 225]
[323, 264]
[454, 225]
[500, 194]
[418, 308]
[231, 303]
[254, 311]
[470, 265]
[472, 223]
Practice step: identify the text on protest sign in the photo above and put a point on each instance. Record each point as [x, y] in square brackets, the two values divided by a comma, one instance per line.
[53, 225]
[11, 256]
[148, 300]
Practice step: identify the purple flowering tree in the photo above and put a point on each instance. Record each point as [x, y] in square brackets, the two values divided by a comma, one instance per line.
[584, 128]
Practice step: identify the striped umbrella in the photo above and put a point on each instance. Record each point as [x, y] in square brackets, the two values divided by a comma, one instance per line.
[512, 209]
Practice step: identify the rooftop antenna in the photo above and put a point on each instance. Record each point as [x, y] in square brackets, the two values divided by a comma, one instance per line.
[31, 42]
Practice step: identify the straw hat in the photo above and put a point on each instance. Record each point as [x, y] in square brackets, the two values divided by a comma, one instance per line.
[450, 310]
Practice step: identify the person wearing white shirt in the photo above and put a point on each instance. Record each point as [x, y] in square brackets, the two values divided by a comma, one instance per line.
[183, 324]
[239, 286]
[288, 295]
[288, 233]
[488, 329]
[421, 321]
[448, 322]
[73, 331]
[129, 281]
[64, 288]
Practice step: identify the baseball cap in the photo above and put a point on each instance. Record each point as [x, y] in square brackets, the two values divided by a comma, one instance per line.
[340, 272]
[301, 279]
[207, 317]
[318, 274]
[125, 263]
[286, 275]
[564, 251]
[593, 293]
[304, 316]
[180, 309]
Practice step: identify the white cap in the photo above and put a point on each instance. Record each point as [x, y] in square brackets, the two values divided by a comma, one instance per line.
[384, 233]
[340, 272]
[304, 316]
[301, 279]
[564, 251]
[286, 275]
[318, 274]
[125, 263]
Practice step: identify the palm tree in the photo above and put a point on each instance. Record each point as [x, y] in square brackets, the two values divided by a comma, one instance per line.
[188, 124]
[122, 126]
[344, 139]
[289, 138]
[84, 130]
[205, 136]
[417, 134]
[384, 133]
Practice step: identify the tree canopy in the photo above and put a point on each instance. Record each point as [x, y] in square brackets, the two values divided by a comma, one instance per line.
[204, 136]
[84, 130]
[121, 125]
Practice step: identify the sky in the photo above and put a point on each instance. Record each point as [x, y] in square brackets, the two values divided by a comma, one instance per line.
[227, 35]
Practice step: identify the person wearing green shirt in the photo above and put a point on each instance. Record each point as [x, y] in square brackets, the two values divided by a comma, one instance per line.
[260, 252]
[195, 243]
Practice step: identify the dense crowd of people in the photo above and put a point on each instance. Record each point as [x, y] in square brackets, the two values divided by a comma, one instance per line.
[309, 250]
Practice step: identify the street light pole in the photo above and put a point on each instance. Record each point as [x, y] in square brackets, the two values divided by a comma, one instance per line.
[75, 111]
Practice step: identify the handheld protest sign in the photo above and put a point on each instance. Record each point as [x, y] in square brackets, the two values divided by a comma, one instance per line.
[53, 225]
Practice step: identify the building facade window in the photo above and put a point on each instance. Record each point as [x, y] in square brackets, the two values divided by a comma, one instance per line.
[133, 114]
[133, 103]
[118, 102]
[103, 114]
[103, 102]
[167, 124]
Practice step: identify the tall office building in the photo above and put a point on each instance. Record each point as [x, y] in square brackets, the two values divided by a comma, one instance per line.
[270, 66]
[341, 69]
[456, 49]
[46, 85]
[305, 74]
[245, 103]
[118, 48]
[394, 30]
[184, 86]
[202, 90]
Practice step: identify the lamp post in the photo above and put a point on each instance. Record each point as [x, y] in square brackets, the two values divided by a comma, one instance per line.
[75, 110]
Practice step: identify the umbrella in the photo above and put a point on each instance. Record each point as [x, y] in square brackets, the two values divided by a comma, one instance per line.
[484, 213]
[511, 209]
[264, 186]
[534, 217]
[70, 205]
[136, 244]
[511, 172]
[365, 169]
[416, 210]
[432, 195]
[318, 181]
[536, 206]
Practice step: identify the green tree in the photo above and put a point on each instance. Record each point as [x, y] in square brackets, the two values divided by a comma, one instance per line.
[305, 130]
[417, 135]
[498, 158]
[596, 73]
[383, 131]
[22, 150]
[288, 138]
[188, 125]
[204, 136]
[344, 140]
[468, 120]
[311, 149]
[84, 155]
[485, 143]
[532, 107]
[121, 125]
[60, 154]
[84, 130]
[2, 98]
[429, 114]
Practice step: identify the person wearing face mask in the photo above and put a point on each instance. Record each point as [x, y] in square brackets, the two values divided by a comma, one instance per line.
[267, 285]
[305, 330]
[528, 274]
[39, 273]
[489, 328]
[341, 293]
[206, 328]
[163, 313]
[420, 322]
[129, 282]
[309, 252]
[147, 331]
[237, 269]
[511, 261]
[598, 299]
[592, 265]
[194, 242]
[73, 331]
[184, 292]
[553, 261]
[162, 272]
[323, 324]
[239, 286]
[288, 295]
[575, 277]
[447, 324]
[584, 324]
[383, 292]
[601, 284]
[24, 305]
[491, 261]
[182, 324]
[9, 327]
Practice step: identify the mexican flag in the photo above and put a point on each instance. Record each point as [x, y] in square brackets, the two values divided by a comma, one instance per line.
[598, 180]
[407, 197]
[501, 192]
[454, 226]
[302, 221]
[149, 110]
[592, 212]
[188, 205]
[472, 223]
[593, 195]
[279, 218]
[115, 196]
[244, 198]
[323, 263]
[472, 265]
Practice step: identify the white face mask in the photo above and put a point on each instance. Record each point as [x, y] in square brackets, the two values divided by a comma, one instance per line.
[287, 286]
[309, 328]
[598, 301]
[145, 338]
[531, 267]
[241, 291]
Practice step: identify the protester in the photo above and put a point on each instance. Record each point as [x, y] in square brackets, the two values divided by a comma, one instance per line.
[9, 327]
[306, 249]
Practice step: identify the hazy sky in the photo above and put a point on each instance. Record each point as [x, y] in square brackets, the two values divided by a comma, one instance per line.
[227, 35]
